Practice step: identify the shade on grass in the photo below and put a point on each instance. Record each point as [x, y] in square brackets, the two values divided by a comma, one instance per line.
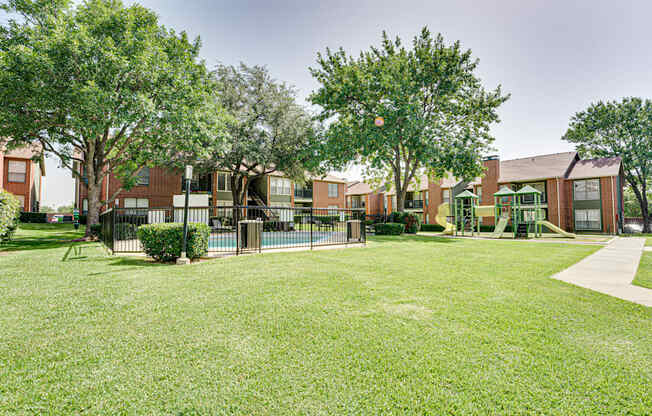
[644, 275]
[408, 325]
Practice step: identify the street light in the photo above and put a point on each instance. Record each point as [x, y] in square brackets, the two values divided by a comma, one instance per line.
[188, 178]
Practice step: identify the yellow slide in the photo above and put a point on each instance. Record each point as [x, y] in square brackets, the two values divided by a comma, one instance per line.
[552, 227]
[442, 212]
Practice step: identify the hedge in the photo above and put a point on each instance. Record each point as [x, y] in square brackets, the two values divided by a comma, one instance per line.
[9, 215]
[163, 242]
[389, 228]
[432, 227]
[410, 220]
[33, 217]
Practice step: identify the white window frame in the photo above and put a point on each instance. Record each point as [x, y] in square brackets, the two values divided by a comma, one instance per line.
[85, 204]
[333, 190]
[583, 217]
[227, 182]
[22, 164]
[280, 186]
[583, 194]
[446, 195]
[136, 202]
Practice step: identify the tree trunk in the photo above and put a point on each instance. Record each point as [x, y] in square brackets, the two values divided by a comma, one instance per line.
[642, 200]
[94, 205]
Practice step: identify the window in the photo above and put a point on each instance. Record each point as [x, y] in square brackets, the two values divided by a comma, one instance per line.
[427, 197]
[587, 190]
[539, 186]
[446, 195]
[332, 190]
[136, 203]
[143, 177]
[224, 182]
[17, 171]
[85, 205]
[587, 219]
[478, 192]
[279, 186]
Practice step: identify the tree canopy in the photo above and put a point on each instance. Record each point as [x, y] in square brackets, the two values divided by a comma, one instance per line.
[623, 129]
[269, 132]
[103, 85]
[436, 113]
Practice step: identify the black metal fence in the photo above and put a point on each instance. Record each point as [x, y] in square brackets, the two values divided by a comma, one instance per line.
[281, 227]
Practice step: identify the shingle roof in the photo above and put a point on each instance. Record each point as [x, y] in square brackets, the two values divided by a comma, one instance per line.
[423, 185]
[536, 167]
[358, 188]
[593, 168]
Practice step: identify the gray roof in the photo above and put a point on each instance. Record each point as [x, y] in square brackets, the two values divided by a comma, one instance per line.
[536, 167]
[593, 168]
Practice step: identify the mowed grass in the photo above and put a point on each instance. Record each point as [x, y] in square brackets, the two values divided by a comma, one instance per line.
[644, 275]
[42, 236]
[407, 325]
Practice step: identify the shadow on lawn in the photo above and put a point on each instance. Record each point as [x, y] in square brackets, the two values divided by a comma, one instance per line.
[42, 237]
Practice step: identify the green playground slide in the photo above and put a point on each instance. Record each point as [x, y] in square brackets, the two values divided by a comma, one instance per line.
[552, 227]
[500, 228]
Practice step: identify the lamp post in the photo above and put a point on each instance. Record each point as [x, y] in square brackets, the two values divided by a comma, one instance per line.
[188, 178]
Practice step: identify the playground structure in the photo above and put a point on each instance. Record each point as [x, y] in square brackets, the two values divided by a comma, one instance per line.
[521, 209]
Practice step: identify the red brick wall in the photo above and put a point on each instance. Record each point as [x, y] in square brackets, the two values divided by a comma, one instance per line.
[163, 184]
[22, 189]
[320, 198]
[608, 196]
[435, 200]
[2, 170]
[375, 204]
[489, 185]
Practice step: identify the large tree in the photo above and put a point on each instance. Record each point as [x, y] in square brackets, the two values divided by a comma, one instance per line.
[269, 132]
[436, 113]
[619, 128]
[102, 86]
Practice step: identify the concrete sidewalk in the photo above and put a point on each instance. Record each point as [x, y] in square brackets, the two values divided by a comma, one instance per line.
[611, 271]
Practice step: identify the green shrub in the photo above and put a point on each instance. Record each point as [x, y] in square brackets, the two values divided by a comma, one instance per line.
[9, 215]
[410, 220]
[83, 218]
[432, 227]
[163, 242]
[326, 219]
[33, 217]
[96, 230]
[389, 228]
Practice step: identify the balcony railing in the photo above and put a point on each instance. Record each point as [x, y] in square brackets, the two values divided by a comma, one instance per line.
[303, 193]
[413, 204]
[202, 184]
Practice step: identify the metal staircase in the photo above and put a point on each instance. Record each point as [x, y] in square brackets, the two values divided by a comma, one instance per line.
[269, 214]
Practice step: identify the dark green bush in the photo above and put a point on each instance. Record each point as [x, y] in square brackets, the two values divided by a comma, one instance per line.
[83, 218]
[410, 220]
[9, 214]
[432, 227]
[389, 228]
[33, 217]
[326, 219]
[96, 230]
[163, 242]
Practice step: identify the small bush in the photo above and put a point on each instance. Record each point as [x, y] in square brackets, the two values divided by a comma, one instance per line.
[33, 217]
[390, 228]
[96, 230]
[83, 218]
[432, 227]
[9, 215]
[410, 220]
[163, 242]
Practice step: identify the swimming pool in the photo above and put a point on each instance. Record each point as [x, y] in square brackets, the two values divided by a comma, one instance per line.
[278, 239]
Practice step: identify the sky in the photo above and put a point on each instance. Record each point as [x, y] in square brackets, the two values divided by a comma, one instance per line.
[554, 57]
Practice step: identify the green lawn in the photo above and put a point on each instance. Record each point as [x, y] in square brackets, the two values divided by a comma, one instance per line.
[644, 275]
[408, 325]
[42, 236]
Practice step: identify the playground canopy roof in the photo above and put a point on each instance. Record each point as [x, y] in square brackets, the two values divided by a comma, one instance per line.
[505, 191]
[526, 190]
[467, 194]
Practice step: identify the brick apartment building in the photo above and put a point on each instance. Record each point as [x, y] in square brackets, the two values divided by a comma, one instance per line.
[156, 188]
[577, 194]
[21, 174]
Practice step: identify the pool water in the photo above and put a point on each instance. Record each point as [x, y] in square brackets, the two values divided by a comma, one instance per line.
[274, 239]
